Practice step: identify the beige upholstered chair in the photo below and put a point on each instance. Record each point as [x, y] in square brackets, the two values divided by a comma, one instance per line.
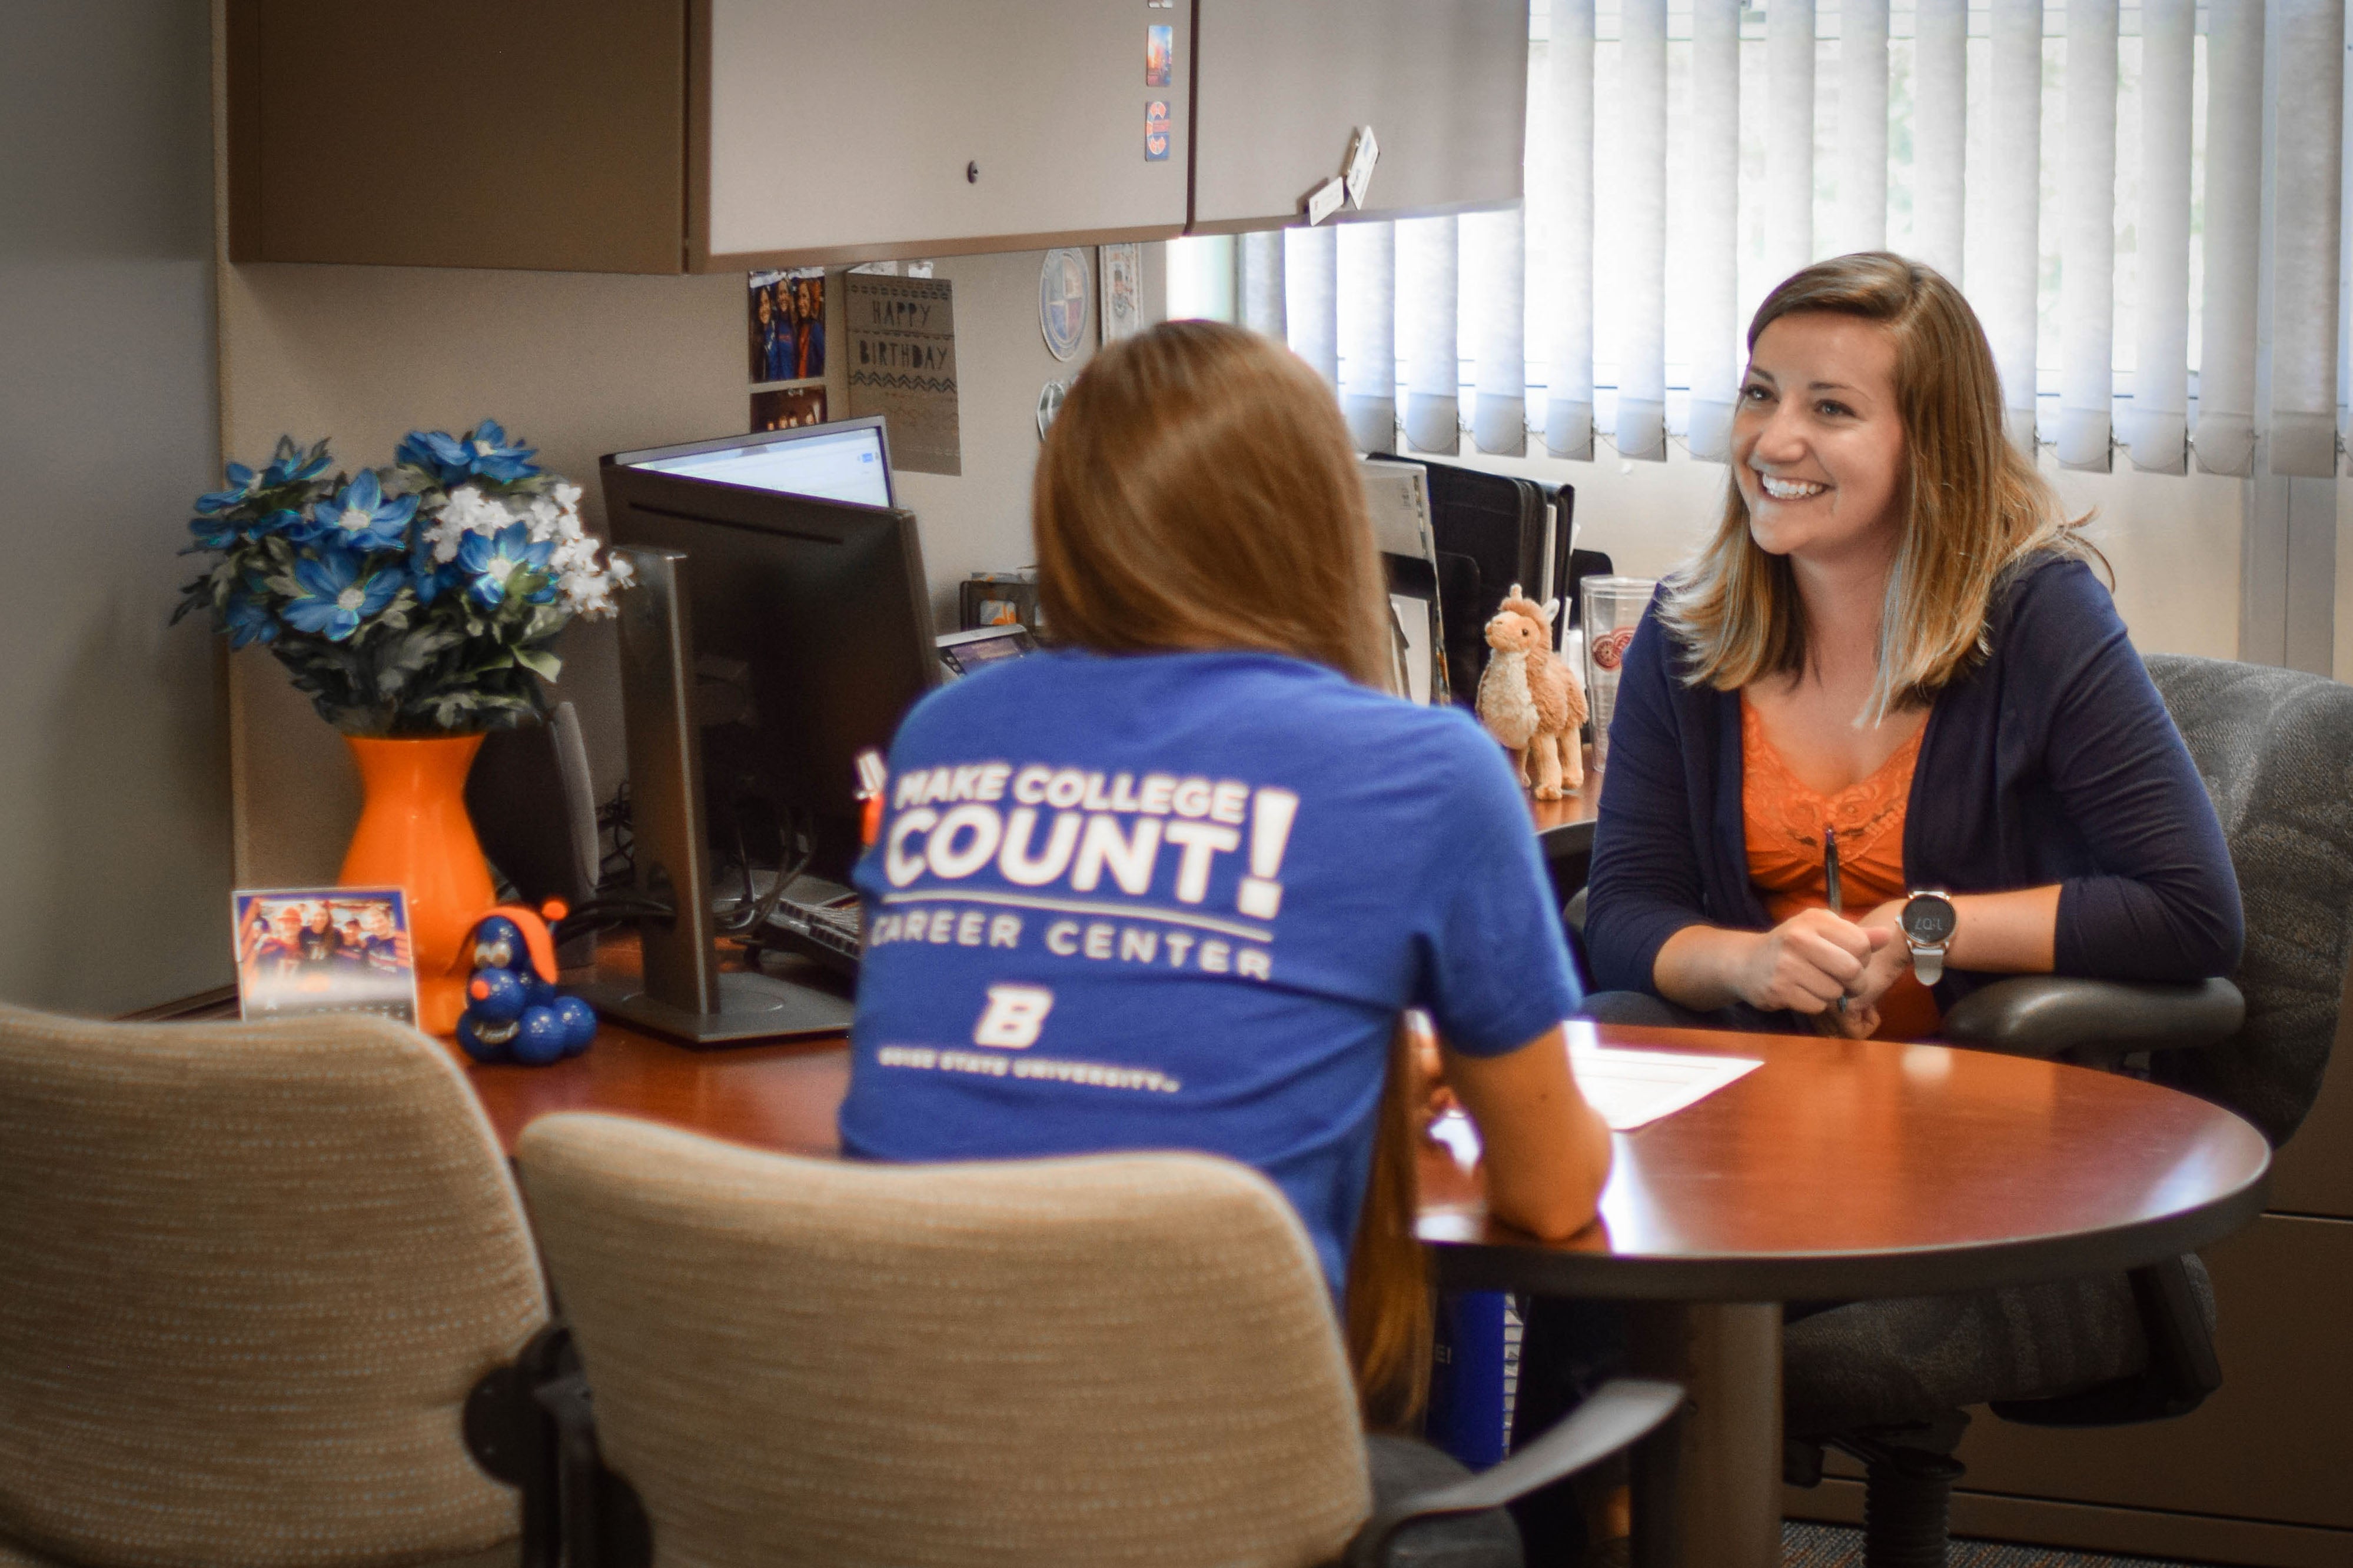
[249, 1274]
[1119, 1360]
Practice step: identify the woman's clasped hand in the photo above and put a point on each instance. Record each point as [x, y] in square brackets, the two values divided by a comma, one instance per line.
[1807, 964]
[1810, 960]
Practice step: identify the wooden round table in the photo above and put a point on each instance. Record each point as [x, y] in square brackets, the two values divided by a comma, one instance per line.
[1847, 1169]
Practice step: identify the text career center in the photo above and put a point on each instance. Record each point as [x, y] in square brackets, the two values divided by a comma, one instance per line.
[1062, 831]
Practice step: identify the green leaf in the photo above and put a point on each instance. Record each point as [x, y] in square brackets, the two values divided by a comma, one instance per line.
[540, 662]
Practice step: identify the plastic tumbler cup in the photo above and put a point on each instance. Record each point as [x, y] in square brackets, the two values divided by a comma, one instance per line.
[1613, 607]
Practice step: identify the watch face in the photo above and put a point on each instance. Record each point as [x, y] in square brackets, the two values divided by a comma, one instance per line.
[1928, 919]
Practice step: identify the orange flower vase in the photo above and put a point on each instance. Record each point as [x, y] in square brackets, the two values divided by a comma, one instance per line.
[415, 835]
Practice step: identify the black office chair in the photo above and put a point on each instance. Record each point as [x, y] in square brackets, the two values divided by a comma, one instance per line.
[1885, 1381]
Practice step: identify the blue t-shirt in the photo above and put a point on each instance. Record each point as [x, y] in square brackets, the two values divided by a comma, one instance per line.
[1177, 902]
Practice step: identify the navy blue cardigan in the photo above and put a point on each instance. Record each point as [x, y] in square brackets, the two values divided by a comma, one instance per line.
[2053, 760]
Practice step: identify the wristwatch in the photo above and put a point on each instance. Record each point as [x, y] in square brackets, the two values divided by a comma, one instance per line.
[1927, 923]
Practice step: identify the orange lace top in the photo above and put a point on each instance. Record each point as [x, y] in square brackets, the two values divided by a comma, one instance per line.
[1784, 821]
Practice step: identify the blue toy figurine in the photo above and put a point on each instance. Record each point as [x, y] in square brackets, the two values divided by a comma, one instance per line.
[513, 1011]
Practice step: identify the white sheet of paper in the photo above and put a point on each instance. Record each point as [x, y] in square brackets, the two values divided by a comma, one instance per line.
[1413, 616]
[1632, 1088]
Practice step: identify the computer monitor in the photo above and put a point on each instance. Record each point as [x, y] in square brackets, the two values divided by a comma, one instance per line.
[797, 632]
[811, 621]
[847, 460]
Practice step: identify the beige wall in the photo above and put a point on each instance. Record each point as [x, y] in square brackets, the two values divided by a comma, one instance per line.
[2174, 541]
[581, 364]
[114, 854]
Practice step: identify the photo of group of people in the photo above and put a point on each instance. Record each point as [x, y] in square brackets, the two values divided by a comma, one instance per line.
[788, 324]
[332, 949]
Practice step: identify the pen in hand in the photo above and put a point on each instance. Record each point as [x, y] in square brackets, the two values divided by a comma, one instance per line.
[1831, 884]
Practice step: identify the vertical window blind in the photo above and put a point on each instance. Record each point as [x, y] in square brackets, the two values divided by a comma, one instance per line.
[2143, 199]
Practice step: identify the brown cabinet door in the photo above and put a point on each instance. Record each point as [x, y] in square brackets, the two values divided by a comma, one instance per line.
[529, 134]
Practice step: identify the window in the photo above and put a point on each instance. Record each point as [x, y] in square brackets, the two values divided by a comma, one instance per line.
[2113, 225]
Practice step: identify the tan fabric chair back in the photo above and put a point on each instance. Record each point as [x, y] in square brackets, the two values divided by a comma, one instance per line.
[247, 1275]
[1121, 1360]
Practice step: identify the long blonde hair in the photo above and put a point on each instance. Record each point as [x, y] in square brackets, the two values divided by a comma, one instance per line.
[1198, 490]
[1972, 505]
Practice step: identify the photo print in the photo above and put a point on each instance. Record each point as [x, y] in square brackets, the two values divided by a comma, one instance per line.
[787, 408]
[324, 950]
[788, 324]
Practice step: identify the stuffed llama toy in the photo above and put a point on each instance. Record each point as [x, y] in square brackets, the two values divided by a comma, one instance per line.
[1530, 701]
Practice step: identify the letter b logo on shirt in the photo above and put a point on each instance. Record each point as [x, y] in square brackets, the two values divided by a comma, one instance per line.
[1013, 1017]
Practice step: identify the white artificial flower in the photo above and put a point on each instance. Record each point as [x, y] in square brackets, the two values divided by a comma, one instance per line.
[589, 594]
[622, 572]
[540, 515]
[468, 511]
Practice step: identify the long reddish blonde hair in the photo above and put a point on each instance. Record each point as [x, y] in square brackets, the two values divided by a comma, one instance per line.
[1198, 490]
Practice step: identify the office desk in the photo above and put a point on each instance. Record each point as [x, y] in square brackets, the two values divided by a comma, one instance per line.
[1840, 1169]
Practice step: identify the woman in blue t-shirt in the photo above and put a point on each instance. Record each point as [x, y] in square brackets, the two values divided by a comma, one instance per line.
[1174, 884]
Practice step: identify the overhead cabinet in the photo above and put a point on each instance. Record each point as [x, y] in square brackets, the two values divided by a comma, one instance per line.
[1443, 83]
[697, 135]
[715, 135]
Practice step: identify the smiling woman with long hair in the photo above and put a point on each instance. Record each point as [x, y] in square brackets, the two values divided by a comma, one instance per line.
[1173, 885]
[1894, 649]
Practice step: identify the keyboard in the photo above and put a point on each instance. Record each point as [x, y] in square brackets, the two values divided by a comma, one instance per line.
[821, 919]
[816, 917]
[835, 928]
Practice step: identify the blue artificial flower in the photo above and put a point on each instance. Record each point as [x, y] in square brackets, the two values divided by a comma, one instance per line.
[429, 577]
[248, 620]
[480, 453]
[292, 465]
[359, 517]
[213, 502]
[214, 532]
[335, 600]
[492, 561]
[226, 533]
[438, 452]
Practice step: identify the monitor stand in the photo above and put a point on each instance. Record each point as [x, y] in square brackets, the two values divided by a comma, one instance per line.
[752, 1007]
[683, 993]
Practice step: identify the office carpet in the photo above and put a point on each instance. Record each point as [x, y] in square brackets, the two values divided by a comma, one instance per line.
[1829, 1546]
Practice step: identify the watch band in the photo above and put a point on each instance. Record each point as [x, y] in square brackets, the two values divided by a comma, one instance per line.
[1927, 963]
